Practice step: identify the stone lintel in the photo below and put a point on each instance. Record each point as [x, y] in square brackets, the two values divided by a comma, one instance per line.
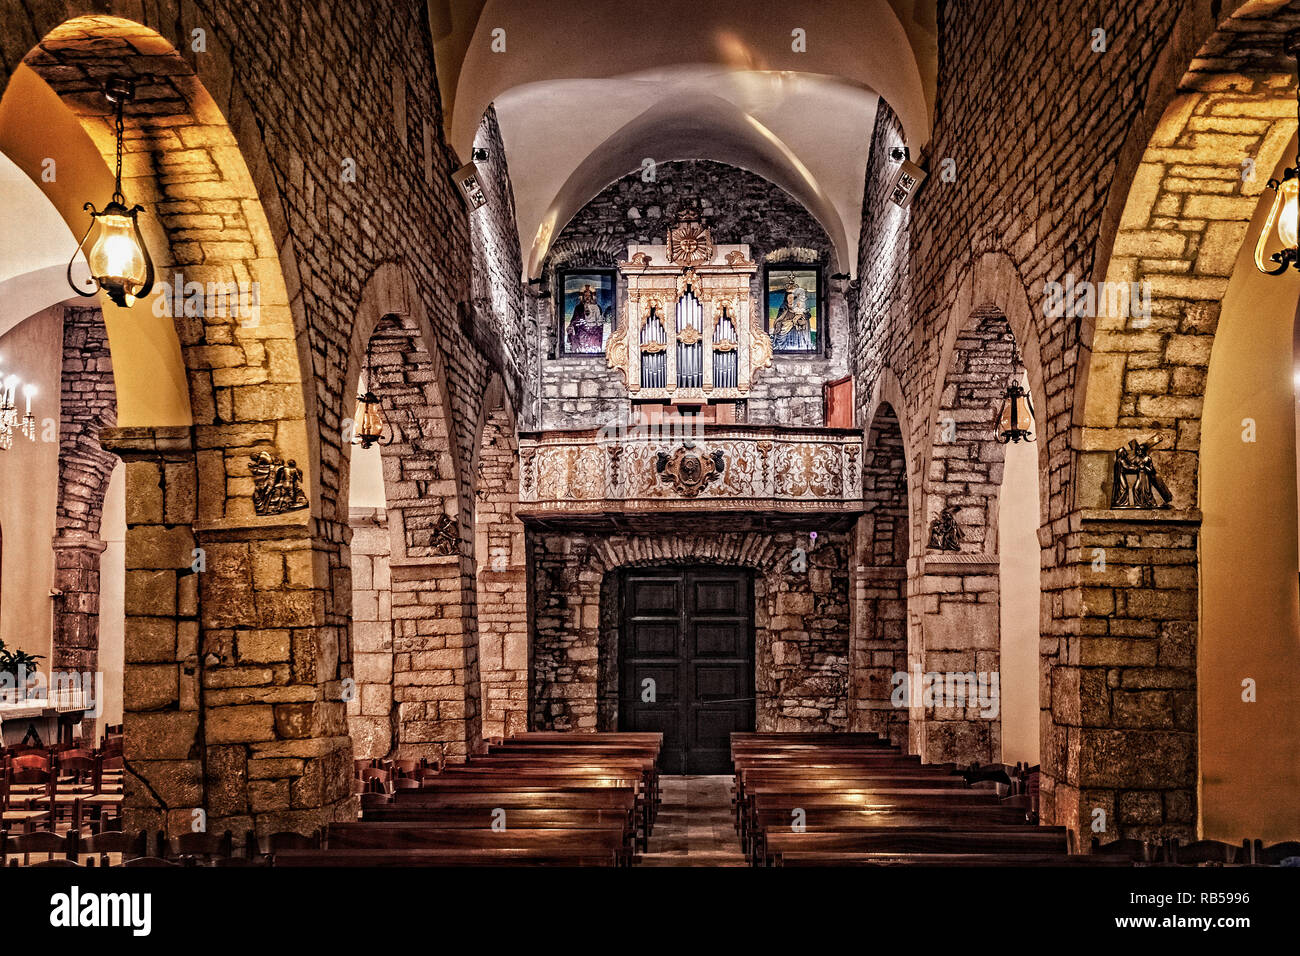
[148, 442]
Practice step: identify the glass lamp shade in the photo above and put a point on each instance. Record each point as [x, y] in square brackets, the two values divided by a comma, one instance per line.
[1282, 228]
[118, 259]
[370, 426]
[1016, 419]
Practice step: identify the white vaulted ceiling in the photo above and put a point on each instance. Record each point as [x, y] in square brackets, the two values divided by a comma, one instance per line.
[586, 92]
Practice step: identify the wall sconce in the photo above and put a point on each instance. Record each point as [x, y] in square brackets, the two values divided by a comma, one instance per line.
[1281, 227]
[118, 258]
[368, 421]
[1016, 417]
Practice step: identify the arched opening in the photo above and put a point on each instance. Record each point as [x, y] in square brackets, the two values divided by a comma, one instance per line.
[500, 560]
[878, 666]
[416, 667]
[1192, 358]
[218, 598]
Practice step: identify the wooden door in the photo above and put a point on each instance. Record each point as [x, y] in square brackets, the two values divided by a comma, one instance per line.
[686, 651]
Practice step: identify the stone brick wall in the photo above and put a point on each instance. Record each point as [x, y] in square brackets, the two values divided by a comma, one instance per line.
[267, 195]
[372, 724]
[801, 622]
[1020, 90]
[740, 207]
[500, 559]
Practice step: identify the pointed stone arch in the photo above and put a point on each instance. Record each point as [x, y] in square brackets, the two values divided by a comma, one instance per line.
[435, 669]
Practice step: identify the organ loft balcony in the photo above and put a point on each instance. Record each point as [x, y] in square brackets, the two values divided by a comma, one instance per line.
[661, 474]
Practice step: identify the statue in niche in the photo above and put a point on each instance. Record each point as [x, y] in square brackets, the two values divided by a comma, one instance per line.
[277, 484]
[1134, 482]
[945, 533]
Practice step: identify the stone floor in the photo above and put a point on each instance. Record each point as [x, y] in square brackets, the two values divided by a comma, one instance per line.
[694, 827]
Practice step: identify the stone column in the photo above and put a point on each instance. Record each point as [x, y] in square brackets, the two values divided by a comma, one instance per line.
[76, 611]
[160, 687]
[435, 659]
[1119, 752]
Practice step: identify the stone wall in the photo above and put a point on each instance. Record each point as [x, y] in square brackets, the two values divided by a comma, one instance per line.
[1008, 209]
[801, 622]
[372, 724]
[740, 207]
[86, 405]
[501, 558]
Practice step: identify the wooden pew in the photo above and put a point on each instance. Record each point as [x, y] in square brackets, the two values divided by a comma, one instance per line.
[416, 836]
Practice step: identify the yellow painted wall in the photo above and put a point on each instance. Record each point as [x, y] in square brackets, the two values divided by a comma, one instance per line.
[1250, 591]
[147, 365]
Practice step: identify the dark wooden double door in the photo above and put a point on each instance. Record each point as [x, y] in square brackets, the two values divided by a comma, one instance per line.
[686, 662]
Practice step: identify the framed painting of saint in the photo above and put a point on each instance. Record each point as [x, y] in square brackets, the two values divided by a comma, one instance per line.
[793, 308]
[588, 310]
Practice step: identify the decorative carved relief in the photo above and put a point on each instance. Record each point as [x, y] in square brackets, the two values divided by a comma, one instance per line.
[616, 351]
[690, 242]
[945, 533]
[688, 470]
[430, 530]
[1134, 482]
[760, 349]
[277, 484]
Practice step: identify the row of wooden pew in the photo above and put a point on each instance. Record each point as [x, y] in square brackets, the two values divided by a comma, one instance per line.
[853, 799]
[537, 799]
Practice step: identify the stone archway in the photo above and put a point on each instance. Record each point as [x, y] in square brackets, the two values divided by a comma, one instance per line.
[801, 621]
[435, 669]
[878, 646]
[230, 686]
[1127, 745]
[500, 558]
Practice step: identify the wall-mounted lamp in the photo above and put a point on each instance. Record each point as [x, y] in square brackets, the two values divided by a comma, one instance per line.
[118, 258]
[369, 427]
[1282, 228]
[1016, 417]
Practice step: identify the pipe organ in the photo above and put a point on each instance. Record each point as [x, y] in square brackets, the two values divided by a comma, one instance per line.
[691, 332]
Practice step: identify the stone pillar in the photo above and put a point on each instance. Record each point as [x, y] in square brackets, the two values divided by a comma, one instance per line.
[435, 658]
[160, 686]
[76, 611]
[232, 690]
[1119, 752]
[372, 724]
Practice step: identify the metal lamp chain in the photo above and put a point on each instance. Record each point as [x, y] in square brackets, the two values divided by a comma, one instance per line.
[120, 127]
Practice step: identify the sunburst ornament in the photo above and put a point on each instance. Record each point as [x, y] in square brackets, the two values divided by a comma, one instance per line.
[690, 242]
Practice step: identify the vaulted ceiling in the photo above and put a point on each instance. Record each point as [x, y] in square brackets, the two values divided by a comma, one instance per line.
[587, 93]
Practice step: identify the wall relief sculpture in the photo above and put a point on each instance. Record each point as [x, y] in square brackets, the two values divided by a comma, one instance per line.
[688, 470]
[1134, 483]
[277, 484]
[945, 533]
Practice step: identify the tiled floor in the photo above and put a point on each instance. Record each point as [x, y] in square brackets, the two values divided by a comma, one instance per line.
[694, 827]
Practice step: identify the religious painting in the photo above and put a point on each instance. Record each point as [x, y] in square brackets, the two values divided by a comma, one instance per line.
[794, 308]
[589, 303]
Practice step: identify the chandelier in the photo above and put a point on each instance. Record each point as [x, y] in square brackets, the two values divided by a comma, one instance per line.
[9, 418]
[119, 261]
[1282, 227]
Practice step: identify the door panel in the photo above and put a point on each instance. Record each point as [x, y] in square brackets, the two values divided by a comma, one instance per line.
[689, 631]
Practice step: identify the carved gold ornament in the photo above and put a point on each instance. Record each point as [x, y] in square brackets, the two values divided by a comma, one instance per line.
[689, 335]
[616, 351]
[760, 349]
[690, 471]
[690, 242]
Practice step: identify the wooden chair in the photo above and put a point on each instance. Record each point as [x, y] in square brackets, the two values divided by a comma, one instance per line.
[129, 846]
[42, 842]
[1210, 852]
[202, 847]
[1136, 851]
[1276, 854]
